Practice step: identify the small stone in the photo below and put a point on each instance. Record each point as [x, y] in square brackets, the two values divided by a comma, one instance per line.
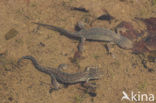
[42, 44]
[11, 34]
[150, 70]
[10, 99]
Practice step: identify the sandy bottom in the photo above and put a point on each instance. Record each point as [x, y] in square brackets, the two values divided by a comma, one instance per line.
[24, 84]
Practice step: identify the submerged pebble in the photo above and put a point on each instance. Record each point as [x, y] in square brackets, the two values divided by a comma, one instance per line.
[11, 34]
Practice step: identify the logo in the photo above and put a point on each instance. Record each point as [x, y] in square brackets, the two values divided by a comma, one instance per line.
[138, 97]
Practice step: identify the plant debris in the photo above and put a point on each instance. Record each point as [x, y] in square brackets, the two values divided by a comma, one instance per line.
[129, 31]
[150, 23]
[80, 9]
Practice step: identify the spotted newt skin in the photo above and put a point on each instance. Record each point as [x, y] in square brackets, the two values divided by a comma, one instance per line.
[58, 76]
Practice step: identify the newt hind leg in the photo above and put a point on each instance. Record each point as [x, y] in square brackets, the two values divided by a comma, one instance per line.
[55, 85]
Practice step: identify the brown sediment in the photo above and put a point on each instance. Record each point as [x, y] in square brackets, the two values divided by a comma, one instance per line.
[123, 72]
